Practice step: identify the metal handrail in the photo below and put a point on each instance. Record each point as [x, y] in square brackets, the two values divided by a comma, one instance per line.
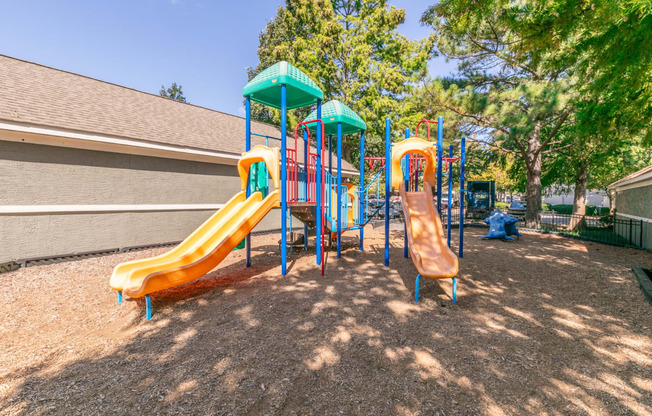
[331, 185]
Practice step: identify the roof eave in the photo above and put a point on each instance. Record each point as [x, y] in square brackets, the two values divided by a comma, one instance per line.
[631, 181]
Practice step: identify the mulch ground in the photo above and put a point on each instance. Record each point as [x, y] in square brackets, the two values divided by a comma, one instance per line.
[544, 325]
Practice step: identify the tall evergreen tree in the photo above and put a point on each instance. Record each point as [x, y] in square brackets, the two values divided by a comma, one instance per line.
[509, 96]
[353, 51]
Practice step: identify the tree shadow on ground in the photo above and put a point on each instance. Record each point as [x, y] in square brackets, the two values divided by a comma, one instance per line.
[526, 337]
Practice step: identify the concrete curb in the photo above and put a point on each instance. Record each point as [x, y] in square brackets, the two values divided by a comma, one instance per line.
[644, 282]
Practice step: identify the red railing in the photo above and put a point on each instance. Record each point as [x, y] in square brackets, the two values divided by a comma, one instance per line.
[307, 178]
[428, 123]
[310, 175]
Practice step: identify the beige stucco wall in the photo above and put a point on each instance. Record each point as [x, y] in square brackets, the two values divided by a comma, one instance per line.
[636, 202]
[47, 175]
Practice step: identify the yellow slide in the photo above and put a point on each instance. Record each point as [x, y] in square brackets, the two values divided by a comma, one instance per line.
[207, 246]
[427, 243]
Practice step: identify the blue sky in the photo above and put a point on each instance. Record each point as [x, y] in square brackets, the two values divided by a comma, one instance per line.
[204, 45]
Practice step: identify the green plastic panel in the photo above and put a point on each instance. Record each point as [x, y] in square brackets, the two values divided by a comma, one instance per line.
[334, 112]
[265, 88]
[258, 178]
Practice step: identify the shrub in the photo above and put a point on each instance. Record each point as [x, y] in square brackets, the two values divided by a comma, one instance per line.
[591, 210]
[502, 205]
[563, 209]
[546, 207]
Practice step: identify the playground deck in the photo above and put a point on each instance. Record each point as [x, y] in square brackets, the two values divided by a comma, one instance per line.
[545, 325]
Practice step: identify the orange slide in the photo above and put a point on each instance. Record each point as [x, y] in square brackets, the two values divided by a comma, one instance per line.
[428, 247]
[207, 246]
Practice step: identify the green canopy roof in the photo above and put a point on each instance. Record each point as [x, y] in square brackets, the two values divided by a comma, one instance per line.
[334, 112]
[265, 88]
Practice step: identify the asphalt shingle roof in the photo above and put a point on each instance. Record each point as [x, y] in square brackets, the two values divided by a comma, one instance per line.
[40, 95]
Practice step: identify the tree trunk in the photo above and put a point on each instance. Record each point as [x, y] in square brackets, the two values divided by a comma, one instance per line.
[346, 153]
[579, 198]
[581, 180]
[533, 196]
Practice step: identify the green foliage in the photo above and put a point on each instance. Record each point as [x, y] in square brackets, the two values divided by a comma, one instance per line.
[174, 92]
[353, 51]
[601, 211]
[502, 205]
[563, 209]
[546, 207]
[507, 99]
[565, 86]
[590, 210]
[606, 46]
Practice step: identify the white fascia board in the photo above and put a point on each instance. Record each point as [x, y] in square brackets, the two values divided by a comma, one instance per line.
[52, 136]
[633, 217]
[637, 182]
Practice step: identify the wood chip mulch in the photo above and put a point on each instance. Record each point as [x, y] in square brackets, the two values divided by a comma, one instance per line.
[544, 325]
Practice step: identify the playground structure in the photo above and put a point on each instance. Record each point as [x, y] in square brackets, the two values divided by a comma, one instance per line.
[411, 160]
[501, 226]
[311, 192]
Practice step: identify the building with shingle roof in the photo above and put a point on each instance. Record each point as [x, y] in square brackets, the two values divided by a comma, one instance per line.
[90, 166]
[633, 203]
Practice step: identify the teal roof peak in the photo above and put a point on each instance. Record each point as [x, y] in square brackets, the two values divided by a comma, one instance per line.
[265, 88]
[334, 112]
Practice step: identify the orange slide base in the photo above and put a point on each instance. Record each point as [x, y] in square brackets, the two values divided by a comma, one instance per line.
[200, 252]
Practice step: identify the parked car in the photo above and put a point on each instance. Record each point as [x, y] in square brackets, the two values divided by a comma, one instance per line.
[373, 202]
[517, 209]
[393, 213]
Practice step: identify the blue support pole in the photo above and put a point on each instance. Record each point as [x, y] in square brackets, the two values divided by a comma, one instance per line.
[319, 188]
[305, 168]
[388, 160]
[440, 145]
[284, 179]
[406, 176]
[119, 297]
[339, 187]
[148, 307]
[248, 148]
[462, 193]
[454, 290]
[361, 212]
[450, 194]
[416, 289]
